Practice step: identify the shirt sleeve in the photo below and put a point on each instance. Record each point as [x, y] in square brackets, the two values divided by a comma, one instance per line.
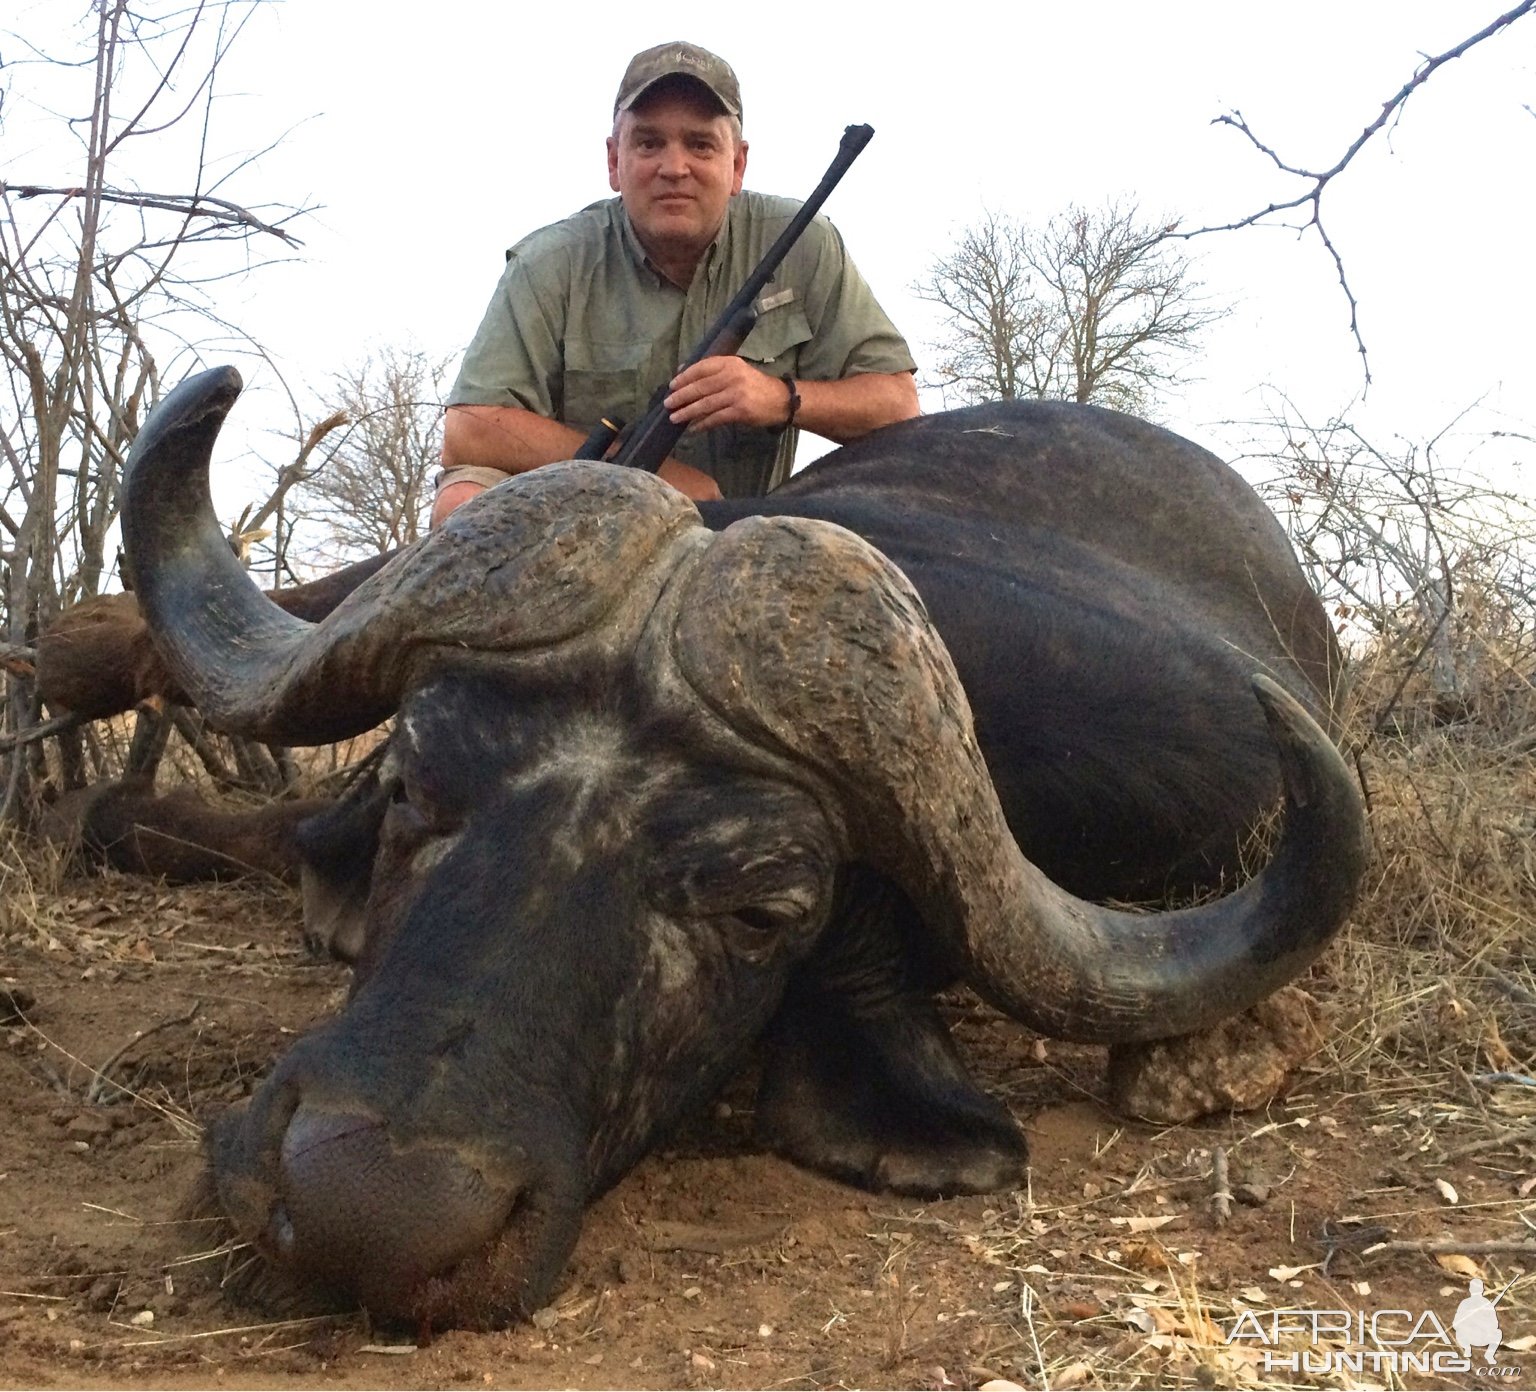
[850, 333]
[515, 357]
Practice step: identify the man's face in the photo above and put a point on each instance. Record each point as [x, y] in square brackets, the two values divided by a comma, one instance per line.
[675, 160]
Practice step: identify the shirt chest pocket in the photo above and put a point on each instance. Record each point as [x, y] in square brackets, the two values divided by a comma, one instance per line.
[603, 379]
[776, 339]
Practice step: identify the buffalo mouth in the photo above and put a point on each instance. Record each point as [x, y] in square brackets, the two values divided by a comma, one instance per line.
[425, 1233]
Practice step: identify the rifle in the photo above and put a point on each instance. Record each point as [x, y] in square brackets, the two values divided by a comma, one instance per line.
[645, 443]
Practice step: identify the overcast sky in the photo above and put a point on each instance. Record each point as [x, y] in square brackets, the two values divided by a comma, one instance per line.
[435, 136]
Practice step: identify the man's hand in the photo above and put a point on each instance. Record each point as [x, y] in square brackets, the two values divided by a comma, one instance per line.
[731, 391]
[726, 391]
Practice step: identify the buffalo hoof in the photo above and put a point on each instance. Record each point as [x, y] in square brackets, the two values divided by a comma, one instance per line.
[1236, 1066]
[880, 1099]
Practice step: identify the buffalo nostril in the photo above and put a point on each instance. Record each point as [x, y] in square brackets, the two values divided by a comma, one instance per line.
[375, 1218]
[309, 1128]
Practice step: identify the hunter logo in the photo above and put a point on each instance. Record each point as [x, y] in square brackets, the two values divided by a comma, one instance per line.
[1397, 1342]
[1477, 1323]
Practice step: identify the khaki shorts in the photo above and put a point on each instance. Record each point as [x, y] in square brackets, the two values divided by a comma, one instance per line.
[470, 473]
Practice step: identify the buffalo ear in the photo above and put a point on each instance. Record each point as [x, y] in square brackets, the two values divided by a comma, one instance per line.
[337, 849]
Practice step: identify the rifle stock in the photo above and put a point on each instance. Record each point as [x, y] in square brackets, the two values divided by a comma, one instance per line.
[645, 443]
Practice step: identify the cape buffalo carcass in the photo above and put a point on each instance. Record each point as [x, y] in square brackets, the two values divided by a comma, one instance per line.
[668, 782]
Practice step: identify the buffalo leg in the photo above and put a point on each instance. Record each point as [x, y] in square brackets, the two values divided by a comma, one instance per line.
[150, 731]
[881, 1099]
[861, 1079]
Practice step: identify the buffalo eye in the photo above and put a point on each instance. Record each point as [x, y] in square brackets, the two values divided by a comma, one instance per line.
[766, 918]
[414, 817]
[757, 931]
[405, 821]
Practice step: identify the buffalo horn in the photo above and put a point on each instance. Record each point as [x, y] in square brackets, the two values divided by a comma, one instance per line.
[813, 643]
[571, 558]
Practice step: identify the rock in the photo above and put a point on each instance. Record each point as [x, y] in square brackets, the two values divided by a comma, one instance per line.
[88, 1125]
[1240, 1064]
[103, 1293]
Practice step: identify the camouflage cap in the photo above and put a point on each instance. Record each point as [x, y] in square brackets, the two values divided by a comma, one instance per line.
[678, 59]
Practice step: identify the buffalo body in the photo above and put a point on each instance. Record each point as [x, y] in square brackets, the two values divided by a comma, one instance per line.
[667, 783]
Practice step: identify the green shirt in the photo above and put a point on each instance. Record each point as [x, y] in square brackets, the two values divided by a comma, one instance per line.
[581, 327]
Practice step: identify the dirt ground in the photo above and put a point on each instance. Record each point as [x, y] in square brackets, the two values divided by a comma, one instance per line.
[714, 1264]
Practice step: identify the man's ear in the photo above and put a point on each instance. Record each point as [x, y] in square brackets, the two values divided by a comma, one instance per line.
[741, 167]
[613, 163]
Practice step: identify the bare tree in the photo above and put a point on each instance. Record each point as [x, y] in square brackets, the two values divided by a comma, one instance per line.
[373, 493]
[99, 280]
[1094, 306]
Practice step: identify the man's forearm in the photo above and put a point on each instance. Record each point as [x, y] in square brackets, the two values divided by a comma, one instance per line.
[853, 406]
[513, 440]
[504, 437]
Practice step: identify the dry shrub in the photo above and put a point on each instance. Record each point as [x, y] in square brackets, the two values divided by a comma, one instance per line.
[1436, 971]
[1430, 574]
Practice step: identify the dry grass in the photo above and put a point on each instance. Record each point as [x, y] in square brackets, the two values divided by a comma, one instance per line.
[32, 875]
[1433, 984]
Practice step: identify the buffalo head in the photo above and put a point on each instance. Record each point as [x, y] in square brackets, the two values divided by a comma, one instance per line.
[654, 793]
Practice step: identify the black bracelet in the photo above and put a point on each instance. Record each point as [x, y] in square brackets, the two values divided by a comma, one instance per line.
[794, 404]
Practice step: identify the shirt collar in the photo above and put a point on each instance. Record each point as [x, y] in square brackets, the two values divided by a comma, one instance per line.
[714, 257]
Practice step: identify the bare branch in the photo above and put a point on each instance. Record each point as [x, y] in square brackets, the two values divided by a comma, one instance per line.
[1311, 198]
[294, 472]
[32, 733]
[1425, 563]
[97, 278]
[217, 210]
